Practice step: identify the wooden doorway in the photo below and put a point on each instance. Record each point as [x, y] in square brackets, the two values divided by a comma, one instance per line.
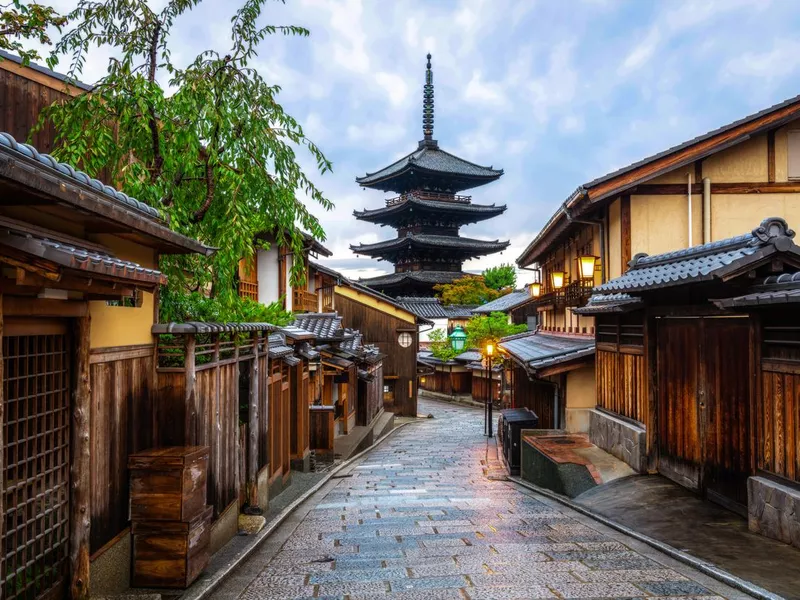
[37, 383]
[704, 406]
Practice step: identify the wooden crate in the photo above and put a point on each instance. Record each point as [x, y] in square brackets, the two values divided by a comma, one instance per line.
[170, 554]
[168, 484]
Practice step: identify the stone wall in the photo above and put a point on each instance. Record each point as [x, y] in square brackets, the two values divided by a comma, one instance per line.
[619, 438]
[774, 510]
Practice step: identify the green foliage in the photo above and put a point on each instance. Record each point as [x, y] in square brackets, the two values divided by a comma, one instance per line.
[471, 289]
[214, 151]
[27, 21]
[440, 345]
[489, 329]
[176, 306]
[500, 277]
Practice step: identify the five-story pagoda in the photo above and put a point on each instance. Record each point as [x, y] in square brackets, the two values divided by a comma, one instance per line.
[427, 214]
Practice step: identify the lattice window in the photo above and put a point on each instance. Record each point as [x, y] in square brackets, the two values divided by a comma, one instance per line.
[36, 388]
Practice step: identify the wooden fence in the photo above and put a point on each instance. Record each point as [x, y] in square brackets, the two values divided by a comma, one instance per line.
[199, 401]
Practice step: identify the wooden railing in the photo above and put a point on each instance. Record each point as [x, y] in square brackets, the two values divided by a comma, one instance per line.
[327, 299]
[438, 196]
[578, 292]
[304, 301]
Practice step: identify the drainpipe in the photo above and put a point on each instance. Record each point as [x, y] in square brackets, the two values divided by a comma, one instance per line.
[689, 205]
[706, 210]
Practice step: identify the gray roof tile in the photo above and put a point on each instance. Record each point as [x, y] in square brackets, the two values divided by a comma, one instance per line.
[504, 303]
[326, 326]
[537, 350]
[8, 143]
[424, 240]
[431, 158]
[421, 276]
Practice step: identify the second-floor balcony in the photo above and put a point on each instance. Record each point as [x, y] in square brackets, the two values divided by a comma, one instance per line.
[304, 301]
[577, 293]
[437, 196]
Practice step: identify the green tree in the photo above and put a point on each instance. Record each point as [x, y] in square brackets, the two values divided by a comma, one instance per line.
[501, 277]
[490, 329]
[208, 144]
[440, 345]
[20, 21]
[471, 289]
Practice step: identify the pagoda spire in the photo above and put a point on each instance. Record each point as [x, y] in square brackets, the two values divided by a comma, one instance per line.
[427, 102]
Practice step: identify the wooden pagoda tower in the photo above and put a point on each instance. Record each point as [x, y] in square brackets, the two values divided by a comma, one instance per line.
[427, 214]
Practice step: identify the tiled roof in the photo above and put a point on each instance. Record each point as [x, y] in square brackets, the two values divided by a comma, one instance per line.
[698, 263]
[504, 303]
[609, 303]
[326, 326]
[307, 351]
[473, 212]
[429, 308]
[424, 240]
[459, 311]
[430, 157]
[8, 143]
[432, 277]
[278, 347]
[292, 361]
[470, 356]
[353, 342]
[560, 215]
[776, 289]
[296, 333]
[79, 258]
[192, 327]
[536, 350]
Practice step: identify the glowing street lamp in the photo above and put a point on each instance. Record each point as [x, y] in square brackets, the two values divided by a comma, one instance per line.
[535, 289]
[487, 413]
[557, 279]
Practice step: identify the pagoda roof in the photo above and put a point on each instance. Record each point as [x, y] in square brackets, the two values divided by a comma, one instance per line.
[428, 159]
[421, 241]
[463, 211]
[425, 277]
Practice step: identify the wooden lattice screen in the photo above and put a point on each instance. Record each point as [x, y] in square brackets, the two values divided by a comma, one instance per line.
[248, 278]
[35, 541]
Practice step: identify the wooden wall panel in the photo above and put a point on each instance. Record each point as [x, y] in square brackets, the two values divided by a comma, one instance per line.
[779, 424]
[535, 395]
[622, 384]
[122, 423]
[21, 101]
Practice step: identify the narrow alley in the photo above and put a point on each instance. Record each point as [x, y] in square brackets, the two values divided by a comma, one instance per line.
[417, 518]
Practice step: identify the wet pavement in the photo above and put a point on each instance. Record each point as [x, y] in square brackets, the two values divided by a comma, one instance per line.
[418, 518]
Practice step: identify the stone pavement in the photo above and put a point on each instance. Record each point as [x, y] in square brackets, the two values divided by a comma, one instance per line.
[417, 518]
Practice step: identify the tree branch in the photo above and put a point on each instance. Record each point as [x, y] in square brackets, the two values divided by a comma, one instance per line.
[158, 159]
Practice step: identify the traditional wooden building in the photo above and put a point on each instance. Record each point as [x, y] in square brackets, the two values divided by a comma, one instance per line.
[711, 404]
[442, 316]
[427, 214]
[385, 323]
[706, 189]
[266, 276]
[79, 285]
[519, 305]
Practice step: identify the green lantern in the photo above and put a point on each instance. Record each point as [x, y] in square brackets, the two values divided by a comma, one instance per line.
[458, 339]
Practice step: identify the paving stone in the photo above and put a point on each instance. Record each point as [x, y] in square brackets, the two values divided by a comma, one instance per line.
[420, 520]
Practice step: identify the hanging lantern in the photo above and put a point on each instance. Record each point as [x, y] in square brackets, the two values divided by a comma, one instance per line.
[489, 349]
[586, 265]
[557, 279]
[458, 339]
[535, 289]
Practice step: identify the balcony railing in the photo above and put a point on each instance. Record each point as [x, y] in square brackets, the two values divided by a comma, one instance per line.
[578, 292]
[304, 301]
[438, 196]
[555, 298]
[327, 299]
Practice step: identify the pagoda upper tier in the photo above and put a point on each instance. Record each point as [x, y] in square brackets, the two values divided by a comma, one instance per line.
[420, 209]
[452, 247]
[429, 168]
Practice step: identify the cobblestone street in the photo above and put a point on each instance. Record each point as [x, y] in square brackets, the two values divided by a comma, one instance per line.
[417, 518]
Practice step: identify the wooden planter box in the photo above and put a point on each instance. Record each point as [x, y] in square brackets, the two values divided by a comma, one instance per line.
[170, 554]
[168, 484]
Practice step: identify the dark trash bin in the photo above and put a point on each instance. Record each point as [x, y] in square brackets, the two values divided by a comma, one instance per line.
[514, 420]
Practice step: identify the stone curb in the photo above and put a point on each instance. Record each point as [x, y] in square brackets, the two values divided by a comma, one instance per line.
[707, 568]
[205, 587]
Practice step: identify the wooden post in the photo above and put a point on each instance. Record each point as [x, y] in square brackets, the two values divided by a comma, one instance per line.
[252, 430]
[80, 517]
[651, 370]
[2, 439]
[190, 434]
[625, 231]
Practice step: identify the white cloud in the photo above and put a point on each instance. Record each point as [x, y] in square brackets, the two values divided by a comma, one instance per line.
[777, 62]
[482, 92]
[641, 53]
[395, 87]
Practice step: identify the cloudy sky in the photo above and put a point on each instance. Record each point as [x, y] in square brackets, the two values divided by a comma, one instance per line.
[555, 92]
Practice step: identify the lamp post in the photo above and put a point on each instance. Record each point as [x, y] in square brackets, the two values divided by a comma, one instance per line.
[458, 339]
[488, 411]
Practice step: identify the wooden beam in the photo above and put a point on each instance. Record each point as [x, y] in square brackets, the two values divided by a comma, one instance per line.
[253, 424]
[771, 156]
[2, 420]
[191, 428]
[80, 481]
[625, 231]
[698, 171]
[679, 189]
[692, 152]
[18, 306]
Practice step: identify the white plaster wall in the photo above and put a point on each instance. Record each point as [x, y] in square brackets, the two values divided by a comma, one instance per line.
[426, 329]
[268, 275]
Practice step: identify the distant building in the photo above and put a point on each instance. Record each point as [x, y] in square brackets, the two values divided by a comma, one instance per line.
[427, 214]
